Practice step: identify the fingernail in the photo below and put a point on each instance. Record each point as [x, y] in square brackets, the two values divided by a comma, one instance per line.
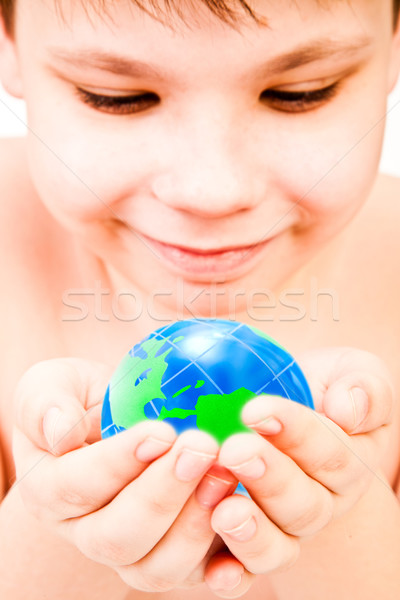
[212, 489]
[243, 532]
[54, 426]
[251, 469]
[230, 582]
[151, 448]
[191, 464]
[268, 426]
[359, 400]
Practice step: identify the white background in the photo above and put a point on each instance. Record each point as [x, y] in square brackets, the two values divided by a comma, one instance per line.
[12, 123]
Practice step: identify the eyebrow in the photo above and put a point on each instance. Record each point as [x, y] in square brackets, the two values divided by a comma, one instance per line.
[105, 61]
[317, 50]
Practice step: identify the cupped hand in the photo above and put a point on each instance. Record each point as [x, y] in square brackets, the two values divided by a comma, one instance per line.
[127, 501]
[302, 468]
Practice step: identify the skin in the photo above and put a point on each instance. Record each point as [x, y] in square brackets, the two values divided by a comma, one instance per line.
[209, 168]
[164, 194]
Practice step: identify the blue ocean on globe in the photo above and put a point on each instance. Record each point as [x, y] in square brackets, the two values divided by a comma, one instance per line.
[198, 373]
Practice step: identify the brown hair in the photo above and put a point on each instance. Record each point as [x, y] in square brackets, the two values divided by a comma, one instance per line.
[221, 8]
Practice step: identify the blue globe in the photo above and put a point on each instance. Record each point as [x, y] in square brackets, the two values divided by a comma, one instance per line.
[199, 373]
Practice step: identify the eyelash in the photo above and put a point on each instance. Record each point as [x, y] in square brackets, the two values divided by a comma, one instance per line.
[122, 105]
[281, 100]
[287, 101]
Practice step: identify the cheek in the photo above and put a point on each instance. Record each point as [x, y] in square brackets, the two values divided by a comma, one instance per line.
[83, 177]
[83, 165]
[331, 176]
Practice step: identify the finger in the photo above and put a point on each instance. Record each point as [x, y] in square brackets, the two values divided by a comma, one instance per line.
[316, 444]
[359, 402]
[251, 537]
[172, 562]
[125, 530]
[86, 479]
[226, 577]
[57, 403]
[352, 387]
[295, 502]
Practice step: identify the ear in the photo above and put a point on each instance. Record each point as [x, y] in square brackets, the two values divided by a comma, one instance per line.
[9, 63]
[394, 68]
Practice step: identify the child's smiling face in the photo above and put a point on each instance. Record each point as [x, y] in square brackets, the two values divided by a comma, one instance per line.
[261, 141]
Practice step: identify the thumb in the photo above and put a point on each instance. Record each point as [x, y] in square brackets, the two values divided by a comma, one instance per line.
[359, 402]
[352, 387]
[58, 403]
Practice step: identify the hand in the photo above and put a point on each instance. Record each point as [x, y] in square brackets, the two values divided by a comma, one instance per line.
[126, 502]
[304, 468]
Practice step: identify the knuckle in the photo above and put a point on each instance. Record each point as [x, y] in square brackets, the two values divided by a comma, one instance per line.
[162, 506]
[339, 460]
[64, 498]
[275, 487]
[278, 488]
[102, 549]
[72, 502]
[312, 518]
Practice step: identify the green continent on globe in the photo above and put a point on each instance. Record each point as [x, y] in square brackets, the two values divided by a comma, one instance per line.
[217, 414]
[144, 376]
[197, 374]
[141, 377]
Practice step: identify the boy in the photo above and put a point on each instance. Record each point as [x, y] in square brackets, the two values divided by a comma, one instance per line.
[199, 158]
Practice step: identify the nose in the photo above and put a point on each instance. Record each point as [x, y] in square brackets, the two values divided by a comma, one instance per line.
[210, 171]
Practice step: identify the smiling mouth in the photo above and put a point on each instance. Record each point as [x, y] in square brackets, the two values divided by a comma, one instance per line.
[205, 263]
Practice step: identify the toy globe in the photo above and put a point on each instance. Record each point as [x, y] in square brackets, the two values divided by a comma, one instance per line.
[199, 373]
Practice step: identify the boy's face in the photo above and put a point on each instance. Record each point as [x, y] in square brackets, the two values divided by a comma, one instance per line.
[230, 156]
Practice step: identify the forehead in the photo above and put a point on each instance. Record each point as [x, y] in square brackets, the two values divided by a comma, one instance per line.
[127, 26]
[75, 34]
[193, 13]
[233, 12]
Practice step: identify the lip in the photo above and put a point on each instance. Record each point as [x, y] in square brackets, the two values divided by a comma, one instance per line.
[203, 264]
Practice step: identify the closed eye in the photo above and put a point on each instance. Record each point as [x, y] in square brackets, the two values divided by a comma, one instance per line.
[298, 101]
[119, 105]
